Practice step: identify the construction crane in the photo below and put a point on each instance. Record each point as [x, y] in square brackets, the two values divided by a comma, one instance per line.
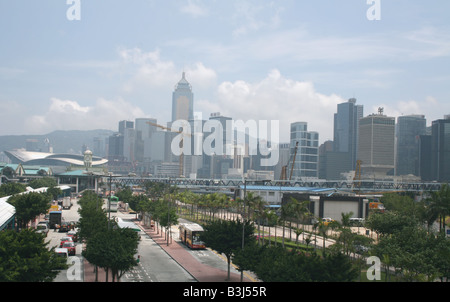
[181, 172]
[284, 169]
[293, 161]
[357, 176]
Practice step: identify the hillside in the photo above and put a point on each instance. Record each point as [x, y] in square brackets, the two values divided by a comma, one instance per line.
[70, 141]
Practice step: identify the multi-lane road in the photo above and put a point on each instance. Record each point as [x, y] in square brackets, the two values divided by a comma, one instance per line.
[155, 265]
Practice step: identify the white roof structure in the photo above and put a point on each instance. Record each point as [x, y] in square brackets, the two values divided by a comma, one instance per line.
[7, 212]
[45, 158]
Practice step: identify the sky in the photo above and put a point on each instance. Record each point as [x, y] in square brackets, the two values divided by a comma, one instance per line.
[286, 60]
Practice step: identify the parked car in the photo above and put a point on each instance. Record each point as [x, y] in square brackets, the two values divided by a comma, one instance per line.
[42, 228]
[70, 246]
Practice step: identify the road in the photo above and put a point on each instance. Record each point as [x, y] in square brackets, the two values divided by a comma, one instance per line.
[155, 265]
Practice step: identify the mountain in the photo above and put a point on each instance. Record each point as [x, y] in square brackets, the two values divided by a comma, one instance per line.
[71, 141]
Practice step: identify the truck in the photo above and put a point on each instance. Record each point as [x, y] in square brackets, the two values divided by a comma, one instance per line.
[54, 219]
[67, 202]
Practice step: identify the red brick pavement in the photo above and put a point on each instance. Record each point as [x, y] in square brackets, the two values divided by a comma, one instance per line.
[201, 272]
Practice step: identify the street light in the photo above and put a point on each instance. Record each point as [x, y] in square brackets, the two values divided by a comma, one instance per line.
[243, 223]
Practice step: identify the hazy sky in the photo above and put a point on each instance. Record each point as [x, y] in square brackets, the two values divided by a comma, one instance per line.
[287, 60]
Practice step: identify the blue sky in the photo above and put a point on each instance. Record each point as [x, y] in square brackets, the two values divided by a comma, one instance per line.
[289, 60]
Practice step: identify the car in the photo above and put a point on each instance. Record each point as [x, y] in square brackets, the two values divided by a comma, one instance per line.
[70, 246]
[42, 228]
[45, 222]
[73, 234]
[327, 220]
[65, 239]
[64, 227]
[62, 252]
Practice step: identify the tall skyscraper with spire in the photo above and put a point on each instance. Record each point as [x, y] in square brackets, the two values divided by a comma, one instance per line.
[182, 101]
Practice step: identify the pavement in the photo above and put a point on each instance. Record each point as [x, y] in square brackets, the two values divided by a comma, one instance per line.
[200, 271]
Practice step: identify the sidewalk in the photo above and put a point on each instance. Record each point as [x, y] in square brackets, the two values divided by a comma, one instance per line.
[201, 272]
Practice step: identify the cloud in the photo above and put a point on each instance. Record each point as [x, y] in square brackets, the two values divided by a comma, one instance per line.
[277, 98]
[70, 115]
[194, 9]
[252, 16]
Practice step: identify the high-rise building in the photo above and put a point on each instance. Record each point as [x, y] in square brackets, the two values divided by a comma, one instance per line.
[182, 101]
[346, 122]
[125, 125]
[376, 145]
[440, 149]
[409, 129]
[307, 155]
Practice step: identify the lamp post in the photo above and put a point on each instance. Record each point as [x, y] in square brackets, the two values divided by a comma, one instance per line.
[243, 222]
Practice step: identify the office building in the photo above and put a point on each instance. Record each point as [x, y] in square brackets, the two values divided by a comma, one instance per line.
[376, 145]
[409, 129]
[440, 149]
[304, 149]
[182, 101]
[345, 139]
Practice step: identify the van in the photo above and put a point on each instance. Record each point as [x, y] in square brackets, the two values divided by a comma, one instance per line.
[42, 228]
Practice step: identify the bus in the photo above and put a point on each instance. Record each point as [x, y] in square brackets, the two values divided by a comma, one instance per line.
[114, 200]
[190, 235]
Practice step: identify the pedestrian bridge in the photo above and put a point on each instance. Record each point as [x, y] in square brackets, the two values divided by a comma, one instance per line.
[362, 186]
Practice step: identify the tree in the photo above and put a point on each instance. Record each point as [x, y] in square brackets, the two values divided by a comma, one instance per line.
[12, 188]
[25, 257]
[43, 182]
[225, 237]
[28, 206]
[93, 219]
[113, 250]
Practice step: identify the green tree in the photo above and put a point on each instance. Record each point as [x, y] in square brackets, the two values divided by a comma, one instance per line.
[225, 237]
[11, 188]
[28, 206]
[113, 250]
[43, 182]
[93, 218]
[25, 257]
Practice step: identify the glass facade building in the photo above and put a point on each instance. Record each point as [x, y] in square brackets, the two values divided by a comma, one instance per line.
[346, 124]
[307, 158]
[440, 150]
[409, 129]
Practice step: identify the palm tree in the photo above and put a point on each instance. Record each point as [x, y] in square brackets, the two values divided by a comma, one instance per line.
[440, 204]
[323, 229]
[272, 218]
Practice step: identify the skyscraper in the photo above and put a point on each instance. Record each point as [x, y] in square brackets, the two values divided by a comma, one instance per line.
[376, 145]
[440, 149]
[346, 122]
[183, 101]
[409, 129]
[307, 156]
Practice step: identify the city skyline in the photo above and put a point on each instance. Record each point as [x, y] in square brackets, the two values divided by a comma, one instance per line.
[293, 61]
